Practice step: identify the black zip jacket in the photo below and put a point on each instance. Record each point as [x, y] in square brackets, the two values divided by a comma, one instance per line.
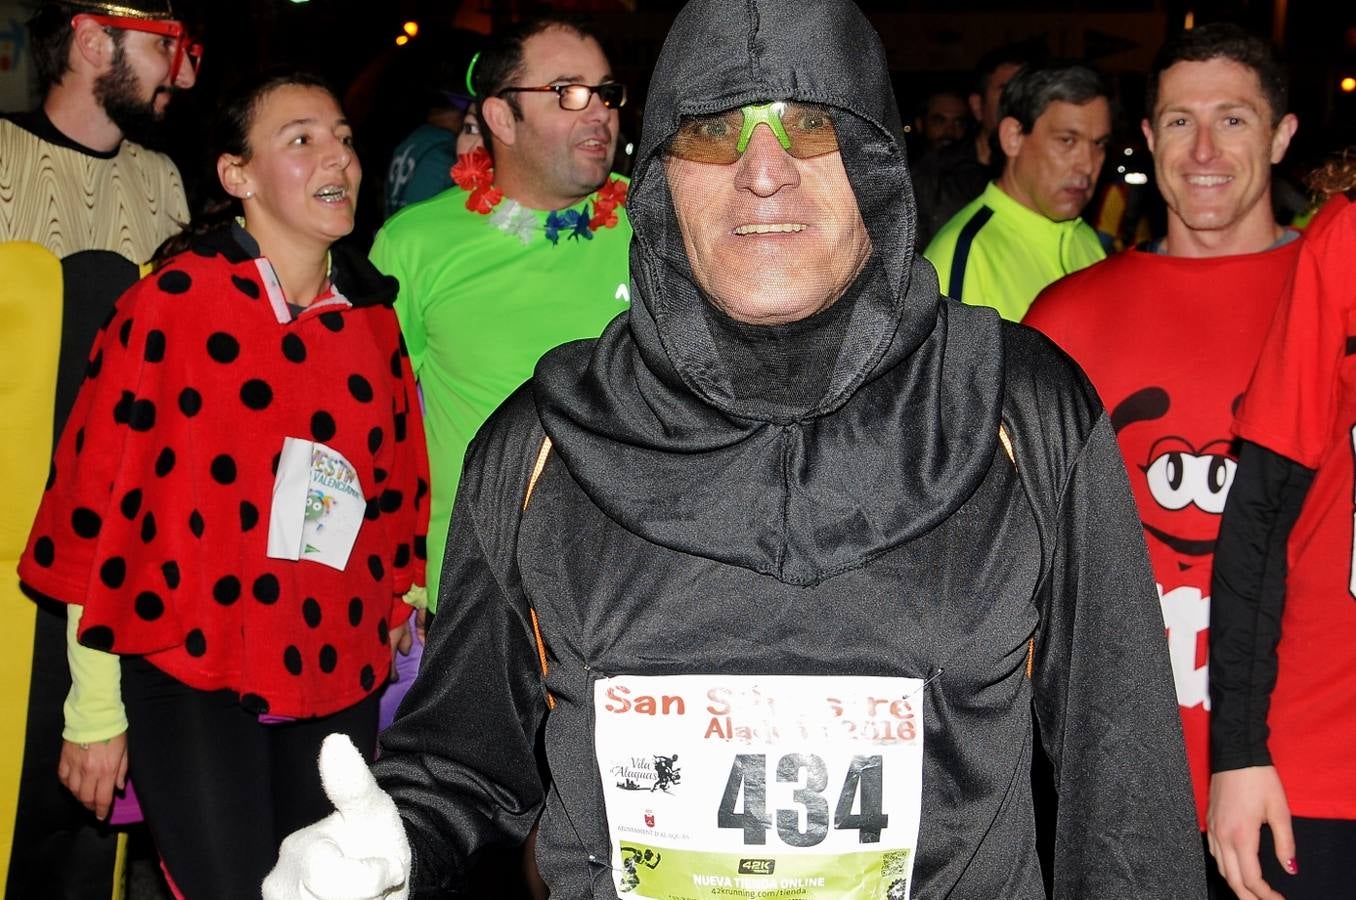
[695, 517]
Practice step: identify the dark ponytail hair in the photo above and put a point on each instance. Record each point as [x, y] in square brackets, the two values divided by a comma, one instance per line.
[230, 135]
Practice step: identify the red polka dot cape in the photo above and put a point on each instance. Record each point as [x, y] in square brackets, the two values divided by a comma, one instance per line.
[156, 513]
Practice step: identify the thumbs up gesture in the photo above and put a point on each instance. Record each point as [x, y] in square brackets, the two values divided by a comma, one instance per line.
[357, 852]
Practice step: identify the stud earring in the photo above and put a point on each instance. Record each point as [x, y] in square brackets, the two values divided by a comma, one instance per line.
[249, 195]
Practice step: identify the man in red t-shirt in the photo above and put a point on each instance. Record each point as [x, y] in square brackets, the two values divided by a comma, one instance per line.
[1169, 331]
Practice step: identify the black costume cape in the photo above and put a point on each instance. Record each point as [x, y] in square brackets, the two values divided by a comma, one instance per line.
[691, 519]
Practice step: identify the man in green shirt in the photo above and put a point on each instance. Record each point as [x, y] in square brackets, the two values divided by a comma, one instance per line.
[528, 253]
[1024, 231]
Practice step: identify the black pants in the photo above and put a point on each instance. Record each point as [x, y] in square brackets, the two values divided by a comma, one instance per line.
[1325, 851]
[220, 790]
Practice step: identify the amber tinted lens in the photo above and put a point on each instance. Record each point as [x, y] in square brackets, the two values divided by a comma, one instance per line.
[715, 138]
[810, 130]
[708, 139]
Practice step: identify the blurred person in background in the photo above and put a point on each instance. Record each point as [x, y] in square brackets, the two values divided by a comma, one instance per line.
[1025, 231]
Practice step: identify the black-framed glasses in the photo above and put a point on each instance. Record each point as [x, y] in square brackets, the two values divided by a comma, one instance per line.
[575, 97]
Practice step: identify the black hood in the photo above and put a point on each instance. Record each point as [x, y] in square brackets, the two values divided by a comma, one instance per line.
[879, 443]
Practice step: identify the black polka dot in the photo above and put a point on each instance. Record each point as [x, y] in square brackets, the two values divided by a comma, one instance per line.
[246, 286]
[355, 612]
[322, 426]
[86, 522]
[294, 349]
[98, 637]
[227, 590]
[79, 440]
[195, 523]
[374, 565]
[142, 416]
[292, 660]
[360, 388]
[254, 703]
[329, 658]
[420, 547]
[171, 572]
[149, 606]
[373, 510]
[391, 500]
[44, 552]
[175, 282]
[256, 394]
[164, 463]
[95, 365]
[400, 426]
[222, 347]
[266, 589]
[131, 503]
[113, 572]
[402, 556]
[379, 475]
[155, 346]
[367, 678]
[383, 632]
[195, 642]
[310, 611]
[249, 515]
[125, 332]
[395, 364]
[148, 528]
[122, 410]
[190, 402]
[374, 439]
[420, 491]
[332, 320]
[223, 469]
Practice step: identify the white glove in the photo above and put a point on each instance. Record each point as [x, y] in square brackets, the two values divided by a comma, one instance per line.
[357, 852]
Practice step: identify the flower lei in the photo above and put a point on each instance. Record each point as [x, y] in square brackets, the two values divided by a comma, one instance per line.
[474, 173]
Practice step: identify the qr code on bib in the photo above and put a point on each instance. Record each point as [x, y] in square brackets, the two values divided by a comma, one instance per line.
[894, 869]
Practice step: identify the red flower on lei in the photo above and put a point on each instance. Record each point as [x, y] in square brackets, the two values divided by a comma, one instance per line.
[610, 196]
[474, 173]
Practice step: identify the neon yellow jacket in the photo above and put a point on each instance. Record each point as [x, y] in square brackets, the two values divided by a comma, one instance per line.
[996, 252]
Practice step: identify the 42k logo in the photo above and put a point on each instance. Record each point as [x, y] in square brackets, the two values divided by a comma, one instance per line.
[748, 776]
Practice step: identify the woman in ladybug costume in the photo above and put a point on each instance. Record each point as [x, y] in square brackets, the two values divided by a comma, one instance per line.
[237, 506]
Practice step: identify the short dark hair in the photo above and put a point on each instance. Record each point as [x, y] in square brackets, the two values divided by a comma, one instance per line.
[49, 34]
[500, 64]
[1223, 40]
[1026, 97]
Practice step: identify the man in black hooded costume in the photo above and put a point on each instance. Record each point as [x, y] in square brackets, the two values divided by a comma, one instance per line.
[829, 545]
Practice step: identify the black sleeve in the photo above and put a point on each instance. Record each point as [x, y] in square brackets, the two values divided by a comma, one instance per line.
[459, 760]
[1104, 698]
[1247, 595]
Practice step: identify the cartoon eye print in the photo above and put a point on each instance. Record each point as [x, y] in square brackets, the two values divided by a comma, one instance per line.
[1178, 479]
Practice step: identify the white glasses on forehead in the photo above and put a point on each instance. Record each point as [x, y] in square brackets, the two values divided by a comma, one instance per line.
[575, 97]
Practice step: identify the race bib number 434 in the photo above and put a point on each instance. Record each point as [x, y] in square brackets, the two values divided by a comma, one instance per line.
[742, 786]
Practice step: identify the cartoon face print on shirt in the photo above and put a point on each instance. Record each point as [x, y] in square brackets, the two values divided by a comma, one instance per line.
[1183, 475]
